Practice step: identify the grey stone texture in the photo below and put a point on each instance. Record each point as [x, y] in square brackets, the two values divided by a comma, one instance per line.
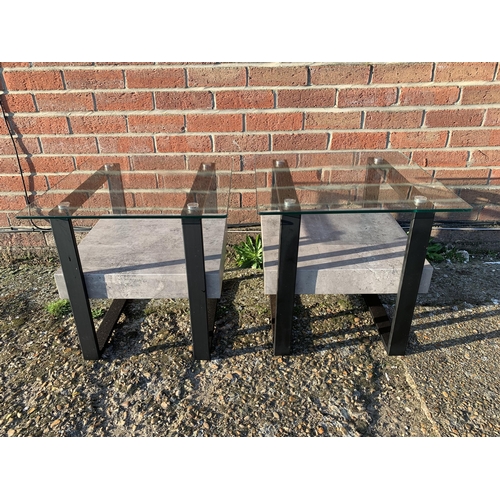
[144, 259]
[342, 254]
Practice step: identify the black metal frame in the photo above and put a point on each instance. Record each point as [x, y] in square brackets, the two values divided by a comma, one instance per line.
[394, 333]
[92, 343]
[202, 309]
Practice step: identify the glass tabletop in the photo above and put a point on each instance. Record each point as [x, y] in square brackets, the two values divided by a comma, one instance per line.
[113, 192]
[357, 182]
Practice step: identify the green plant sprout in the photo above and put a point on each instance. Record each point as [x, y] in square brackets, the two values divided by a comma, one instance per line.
[59, 308]
[249, 253]
[435, 251]
[97, 312]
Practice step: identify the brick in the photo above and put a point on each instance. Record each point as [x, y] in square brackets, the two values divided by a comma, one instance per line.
[96, 162]
[8, 165]
[160, 201]
[495, 176]
[248, 200]
[454, 118]
[393, 119]
[69, 145]
[306, 98]
[184, 180]
[358, 140]
[214, 123]
[274, 121]
[475, 138]
[40, 125]
[340, 74]
[366, 97]
[244, 99]
[242, 142]
[284, 142]
[139, 180]
[74, 64]
[184, 144]
[53, 179]
[235, 200]
[243, 216]
[124, 101]
[276, 76]
[98, 124]
[33, 80]
[216, 77]
[308, 176]
[65, 102]
[402, 140]
[332, 120]
[155, 78]
[32, 182]
[127, 63]
[490, 213]
[14, 64]
[3, 126]
[326, 159]
[158, 162]
[492, 118]
[222, 162]
[462, 176]
[44, 164]
[183, 100]
[156, 124]
[26, 145]
[402, 73]
[4, 221]
[421, 96]
[12, 202]
[246, 180]
[481, 94]
[11, 183]
[344, 176]
[126, 144]
[444, 158]
[464, 71]
[486, 157]
[94, 79]
[265, 161]
[18, 103]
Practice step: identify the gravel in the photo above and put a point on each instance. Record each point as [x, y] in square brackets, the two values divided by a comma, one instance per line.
[338, 381]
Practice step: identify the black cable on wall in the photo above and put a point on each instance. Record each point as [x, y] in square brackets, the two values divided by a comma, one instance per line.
[11, 134]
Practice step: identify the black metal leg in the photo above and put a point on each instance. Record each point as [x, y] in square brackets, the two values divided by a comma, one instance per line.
[420, 230]
[287, 272]
[197, 289]
[64, 237]
[378, 312]
[109, 322]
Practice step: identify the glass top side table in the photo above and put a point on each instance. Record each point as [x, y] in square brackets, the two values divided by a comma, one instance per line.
[153, 228]
[364, 183]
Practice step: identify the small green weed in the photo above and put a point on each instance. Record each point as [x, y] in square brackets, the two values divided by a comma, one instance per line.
[59, 308]
[435, 251]
[249, 253]
[97, 312]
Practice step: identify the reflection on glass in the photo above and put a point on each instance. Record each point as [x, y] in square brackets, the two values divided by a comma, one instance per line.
[365, 183]
[112, 192]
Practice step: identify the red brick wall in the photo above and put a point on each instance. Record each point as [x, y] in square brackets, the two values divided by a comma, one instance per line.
[174, 115]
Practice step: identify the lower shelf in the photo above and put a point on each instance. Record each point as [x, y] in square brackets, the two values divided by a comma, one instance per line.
[144, 259]
[356, 253]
